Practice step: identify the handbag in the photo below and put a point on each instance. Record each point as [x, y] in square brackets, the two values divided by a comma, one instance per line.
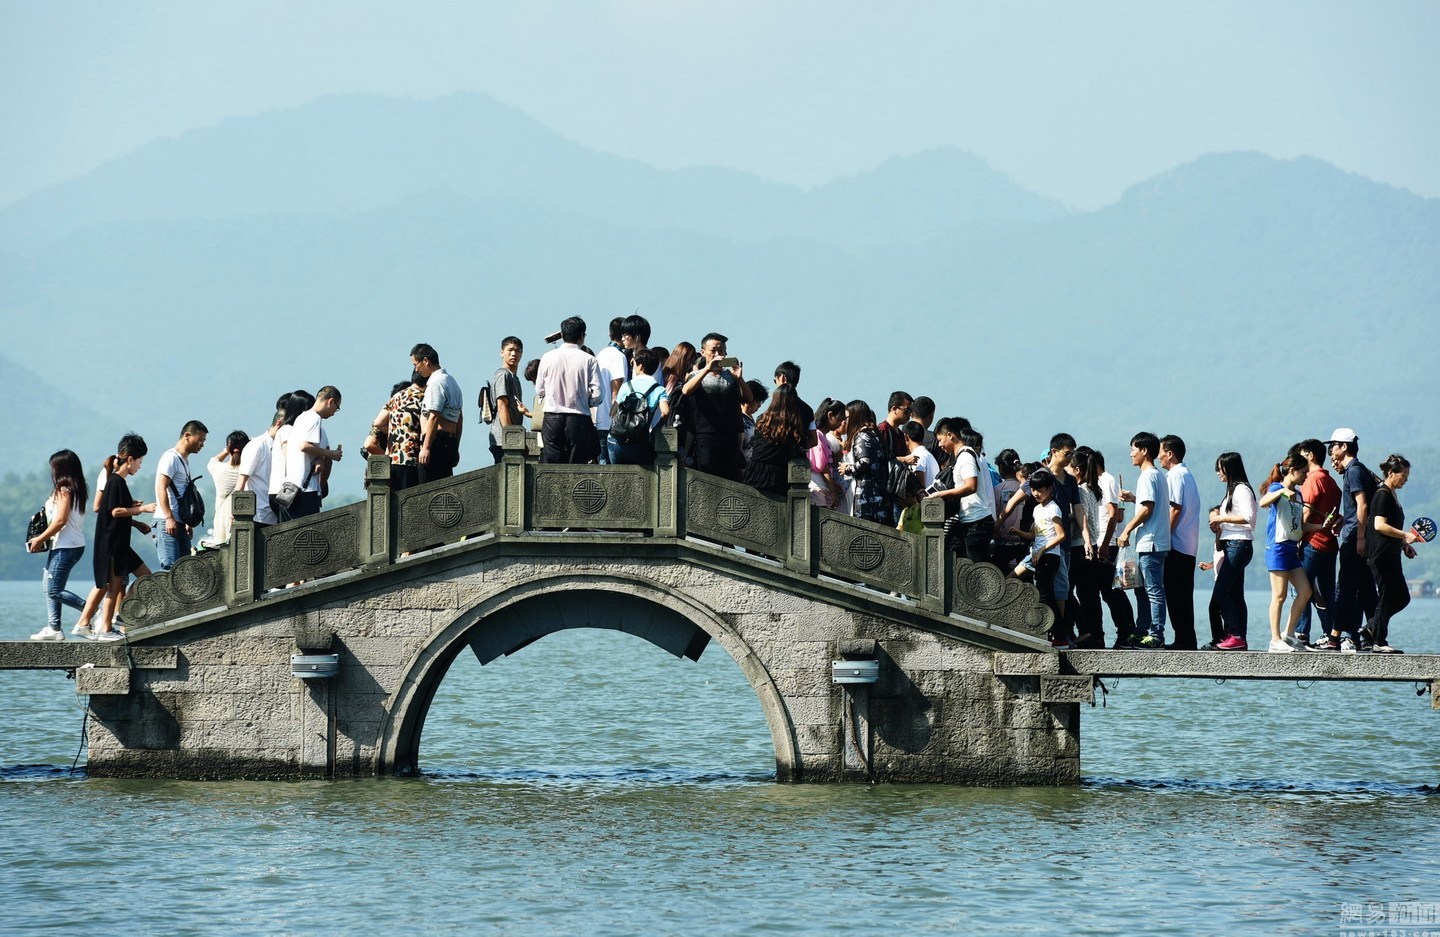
[1127, 568]
[35, 528]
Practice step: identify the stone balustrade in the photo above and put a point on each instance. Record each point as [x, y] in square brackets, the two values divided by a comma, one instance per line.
[523, 498]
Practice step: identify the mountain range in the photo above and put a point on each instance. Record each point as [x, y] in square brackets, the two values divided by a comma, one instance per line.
[1238, 300]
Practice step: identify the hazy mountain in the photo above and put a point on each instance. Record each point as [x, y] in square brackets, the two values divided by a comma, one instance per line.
[360, 152]
[43, 418]
[1237, 300]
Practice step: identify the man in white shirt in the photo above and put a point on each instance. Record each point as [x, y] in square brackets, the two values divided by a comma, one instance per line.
[614, 371]
[569, 380]
[442, 418]
[1151, 524]
[970, 532]
[172, 480]
[308, 455]
[1184, 517]
[255, 468]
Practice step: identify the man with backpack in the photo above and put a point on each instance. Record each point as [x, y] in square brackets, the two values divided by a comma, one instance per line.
[174, 490]
[502, 400]
[640, 405]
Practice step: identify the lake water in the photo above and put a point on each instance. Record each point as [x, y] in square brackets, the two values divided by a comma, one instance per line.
[592, 784]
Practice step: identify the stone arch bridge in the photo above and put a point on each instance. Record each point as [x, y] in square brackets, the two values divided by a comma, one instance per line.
[965, 687]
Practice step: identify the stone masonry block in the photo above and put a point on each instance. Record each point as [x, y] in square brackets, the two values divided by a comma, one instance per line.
[818, 740]
[242, 649]
[102, 681]
[812, 710]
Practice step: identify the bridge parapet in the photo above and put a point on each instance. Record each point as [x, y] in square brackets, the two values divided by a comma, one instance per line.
[524, 498]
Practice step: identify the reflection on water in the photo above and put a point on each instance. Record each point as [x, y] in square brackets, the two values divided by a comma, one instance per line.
[594, 784]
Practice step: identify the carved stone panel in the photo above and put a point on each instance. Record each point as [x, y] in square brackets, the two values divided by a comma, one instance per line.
[313, 546]
[606, 497]
[734, 514]
[982, 591]
[866, 552]
[444, 511]
[194, 584]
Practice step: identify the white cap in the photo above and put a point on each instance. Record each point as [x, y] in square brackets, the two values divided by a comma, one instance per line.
[1343, 434]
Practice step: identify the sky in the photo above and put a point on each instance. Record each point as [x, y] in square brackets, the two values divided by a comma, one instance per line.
[1074, 101]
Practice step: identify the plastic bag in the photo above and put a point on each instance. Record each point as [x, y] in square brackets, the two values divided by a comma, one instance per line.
[1127, 568]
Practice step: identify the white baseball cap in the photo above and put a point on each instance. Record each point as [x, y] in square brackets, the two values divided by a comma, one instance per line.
[1343, 434]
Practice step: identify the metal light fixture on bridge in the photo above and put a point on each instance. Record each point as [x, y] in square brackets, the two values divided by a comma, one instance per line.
[855, 671]
[314, 666]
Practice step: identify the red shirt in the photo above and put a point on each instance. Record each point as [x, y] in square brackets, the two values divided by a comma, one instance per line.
[1322, 495]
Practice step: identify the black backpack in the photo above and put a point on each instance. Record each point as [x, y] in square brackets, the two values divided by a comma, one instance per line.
[630, 423]
[903, 486]
[192, 505]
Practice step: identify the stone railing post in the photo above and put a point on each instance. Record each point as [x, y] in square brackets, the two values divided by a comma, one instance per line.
[935, 569]
[376, 543]
[799, 555]
[514, 513]
[669, 493]
[240, 563]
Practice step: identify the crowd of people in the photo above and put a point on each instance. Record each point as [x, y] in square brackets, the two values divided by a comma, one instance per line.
[1060, 522]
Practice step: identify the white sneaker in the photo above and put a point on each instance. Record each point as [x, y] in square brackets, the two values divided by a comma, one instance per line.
[1281, 647]
[1347, 646]
[109, 636]
[82, 631]
[48, 634]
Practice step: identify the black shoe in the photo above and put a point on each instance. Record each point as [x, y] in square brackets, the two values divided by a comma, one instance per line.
[1180, 647]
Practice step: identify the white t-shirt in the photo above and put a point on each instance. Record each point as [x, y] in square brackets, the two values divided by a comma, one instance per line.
[278, 447]
[926, 466]
[177, 470]
[1109, 494]
[1090, 507]
[1241, 502]
[1047, 515]
[612, 368]
[1153, 535]
[308, 427]
[981, 504]
[255, 463]
[73, 533]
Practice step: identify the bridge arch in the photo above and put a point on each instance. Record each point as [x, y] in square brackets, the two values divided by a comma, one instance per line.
[512, 617]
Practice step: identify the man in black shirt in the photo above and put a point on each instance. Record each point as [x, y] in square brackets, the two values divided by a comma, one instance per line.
[716, 394]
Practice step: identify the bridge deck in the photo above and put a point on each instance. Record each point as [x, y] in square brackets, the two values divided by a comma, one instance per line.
[71, 655]
[1225, 665]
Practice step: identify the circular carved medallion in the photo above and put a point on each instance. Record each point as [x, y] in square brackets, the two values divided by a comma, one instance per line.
[981, 584]
[866, 552]
[194, 579]
[311, 547]
[145, 602]
[589, 495]
[446, 509]
[732, 512]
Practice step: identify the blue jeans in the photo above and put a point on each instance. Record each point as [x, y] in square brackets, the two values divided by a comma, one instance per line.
[169, 548]
[631, 453]
[605, 446]
[1150, 597]
[1320, 570]
[57, 572]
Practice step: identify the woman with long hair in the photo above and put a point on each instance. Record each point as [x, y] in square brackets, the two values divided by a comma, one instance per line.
[868, 465]
[1087, 568]
[676, 369]
[115, 559]
[1010, 544]
[225, 472]
[835, 438]
[1234, 523]
[779, 439]
[65, 534]
[823, 454]
[1386, 538]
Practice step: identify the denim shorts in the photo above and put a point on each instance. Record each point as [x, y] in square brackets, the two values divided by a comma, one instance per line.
[1282, 557]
